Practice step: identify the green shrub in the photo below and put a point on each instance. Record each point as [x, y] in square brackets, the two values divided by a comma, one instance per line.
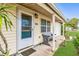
[76, 41]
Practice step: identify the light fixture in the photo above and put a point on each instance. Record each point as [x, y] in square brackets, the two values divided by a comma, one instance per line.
[36, 15]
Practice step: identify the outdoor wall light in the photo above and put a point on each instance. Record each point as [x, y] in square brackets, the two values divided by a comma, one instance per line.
[36, 15]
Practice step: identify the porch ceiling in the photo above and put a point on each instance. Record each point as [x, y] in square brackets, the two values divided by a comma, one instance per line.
[36, 8]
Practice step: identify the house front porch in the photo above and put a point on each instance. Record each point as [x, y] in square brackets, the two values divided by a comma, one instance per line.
[45, 50]
[34, 24]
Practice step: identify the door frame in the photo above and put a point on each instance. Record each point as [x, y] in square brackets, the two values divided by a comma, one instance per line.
[19, 12]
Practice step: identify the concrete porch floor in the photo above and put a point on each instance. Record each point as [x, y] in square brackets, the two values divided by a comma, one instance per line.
[45, 50]
[41, 50]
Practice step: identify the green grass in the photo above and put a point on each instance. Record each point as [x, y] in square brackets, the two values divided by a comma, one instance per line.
[68, 50]
[72, 33]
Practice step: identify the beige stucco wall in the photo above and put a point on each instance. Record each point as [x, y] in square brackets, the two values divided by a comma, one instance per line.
[10, 35]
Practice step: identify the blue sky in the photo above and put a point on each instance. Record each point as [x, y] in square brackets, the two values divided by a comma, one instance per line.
[69, 10]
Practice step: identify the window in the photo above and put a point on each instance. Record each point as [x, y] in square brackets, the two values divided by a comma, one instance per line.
[26, 25]
[45, 26]
[48, 26]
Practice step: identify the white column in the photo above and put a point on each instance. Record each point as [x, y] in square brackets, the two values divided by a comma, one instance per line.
[53, 30]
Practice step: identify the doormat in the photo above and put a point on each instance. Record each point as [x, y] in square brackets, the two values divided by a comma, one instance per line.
[28, 52]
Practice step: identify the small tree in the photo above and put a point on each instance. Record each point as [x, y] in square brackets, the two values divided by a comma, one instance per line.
[4, 18]
[74, 22]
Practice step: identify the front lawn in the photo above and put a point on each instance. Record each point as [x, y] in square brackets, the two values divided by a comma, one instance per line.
[72, 33]
[70, 46]
[67, 50]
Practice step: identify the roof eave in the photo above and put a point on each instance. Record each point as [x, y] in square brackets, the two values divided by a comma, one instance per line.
[56, 10]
